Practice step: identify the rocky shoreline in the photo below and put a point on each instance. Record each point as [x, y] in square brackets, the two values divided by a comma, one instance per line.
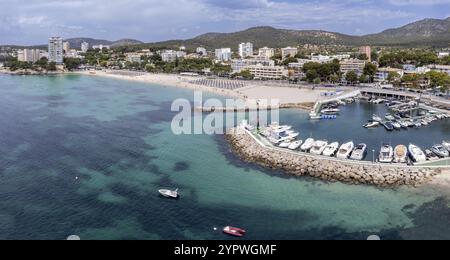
[386, 176]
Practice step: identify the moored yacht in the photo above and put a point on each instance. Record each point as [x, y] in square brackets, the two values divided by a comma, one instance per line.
[400, 154]
[446, 145]
[359, 153]
[345, 150]
[377, 118]
[386, 154]
[173, 194]
[318, 147]
[372, 124]
[331, 149]
[440, 151]
[417, 155]
[307, 145]
[295, 145]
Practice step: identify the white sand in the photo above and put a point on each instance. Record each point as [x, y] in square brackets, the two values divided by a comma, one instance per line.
[254, 91]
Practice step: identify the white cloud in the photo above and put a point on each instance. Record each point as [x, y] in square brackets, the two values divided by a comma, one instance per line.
[153, 20]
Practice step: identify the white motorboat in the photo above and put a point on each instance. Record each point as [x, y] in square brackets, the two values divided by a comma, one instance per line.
[440, 151]
[331, 111]
[446, 145]
[295, 145]
[331, 149]
[372, 124]
[417, 155]
[404, 124]
[307, 145]
[285, 144]
[318, 147]
[386, 154]
[173, 194]
[359, 153]
[431, 156]
[376, 118]
[397, 125]
[424, 122]
[400, 154]
[345, 150]
[389, 117]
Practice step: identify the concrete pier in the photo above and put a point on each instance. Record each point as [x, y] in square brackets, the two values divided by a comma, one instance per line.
[251, 149]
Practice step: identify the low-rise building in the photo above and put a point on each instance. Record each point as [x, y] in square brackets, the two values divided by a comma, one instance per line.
[382, 74]
[223, 54]
[354, 65]
[443, 54]
[440, 68]
[84, 47]
[101, 47]
[289, 52]
[268, 72]
[73, 54]
[266, 52]
[241, 64]
[202, 51]
[134, 57]
[28, 55]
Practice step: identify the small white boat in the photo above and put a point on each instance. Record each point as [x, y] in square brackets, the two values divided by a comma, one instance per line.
[417, 155]
[397, 125]
[400, 154]
[389, 117]
[285, 144]
[359, 153]
[173, 194]
[446, 145]
[331, 111]
[345, 150]
[404, 124]
[318, 147]
[295, 145]
[376, 118]
[386, 154]
[307, 145]
[431, 156]
[331, 149]
[372, 124]
[440, 151]
[425, 123]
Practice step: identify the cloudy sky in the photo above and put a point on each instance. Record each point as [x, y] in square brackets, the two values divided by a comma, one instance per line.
[33, 21]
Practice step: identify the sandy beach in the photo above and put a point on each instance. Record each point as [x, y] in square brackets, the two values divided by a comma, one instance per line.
[165, 80]
[252, 91]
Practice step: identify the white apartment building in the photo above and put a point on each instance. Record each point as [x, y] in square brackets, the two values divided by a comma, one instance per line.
[440, 68]
[133, 57]
[73, 54]
[289, 52]
[321, 58]
[382, 74]
[246, 50]
[66, 47]
[241, 64]
[202, 51]
[268, 72]
[28, 55]
[101, 47]
[55, 50]
[352, 65]
[443, 54]
[169, 56]
[84, 47]
[266, 52]
[223, 54]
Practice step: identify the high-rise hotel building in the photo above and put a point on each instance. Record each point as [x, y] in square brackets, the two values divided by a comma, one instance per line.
[55, 50]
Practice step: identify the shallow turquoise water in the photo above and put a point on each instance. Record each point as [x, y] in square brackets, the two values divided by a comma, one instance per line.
[86, 155]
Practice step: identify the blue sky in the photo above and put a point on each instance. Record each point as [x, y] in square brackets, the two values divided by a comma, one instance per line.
[33, 21]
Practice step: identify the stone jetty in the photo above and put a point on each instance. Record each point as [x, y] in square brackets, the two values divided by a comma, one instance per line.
[299, 164]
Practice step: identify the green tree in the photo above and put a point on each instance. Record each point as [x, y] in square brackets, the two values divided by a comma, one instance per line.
[351, 77]
[317, 81]
[72, 63]
[393, 77]
[370, 70]
[51, 66]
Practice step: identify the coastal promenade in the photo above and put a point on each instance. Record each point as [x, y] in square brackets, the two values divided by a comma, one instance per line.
[251, 148]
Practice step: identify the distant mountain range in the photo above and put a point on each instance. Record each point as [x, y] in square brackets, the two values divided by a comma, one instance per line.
[427, 32]
[76, 42]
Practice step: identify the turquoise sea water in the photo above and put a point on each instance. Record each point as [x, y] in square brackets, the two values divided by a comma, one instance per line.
[86, 155]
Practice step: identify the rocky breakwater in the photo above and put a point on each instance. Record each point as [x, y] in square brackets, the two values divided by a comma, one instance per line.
[298, 164]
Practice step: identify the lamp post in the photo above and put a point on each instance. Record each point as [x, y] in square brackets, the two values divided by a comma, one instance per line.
[373, 156]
